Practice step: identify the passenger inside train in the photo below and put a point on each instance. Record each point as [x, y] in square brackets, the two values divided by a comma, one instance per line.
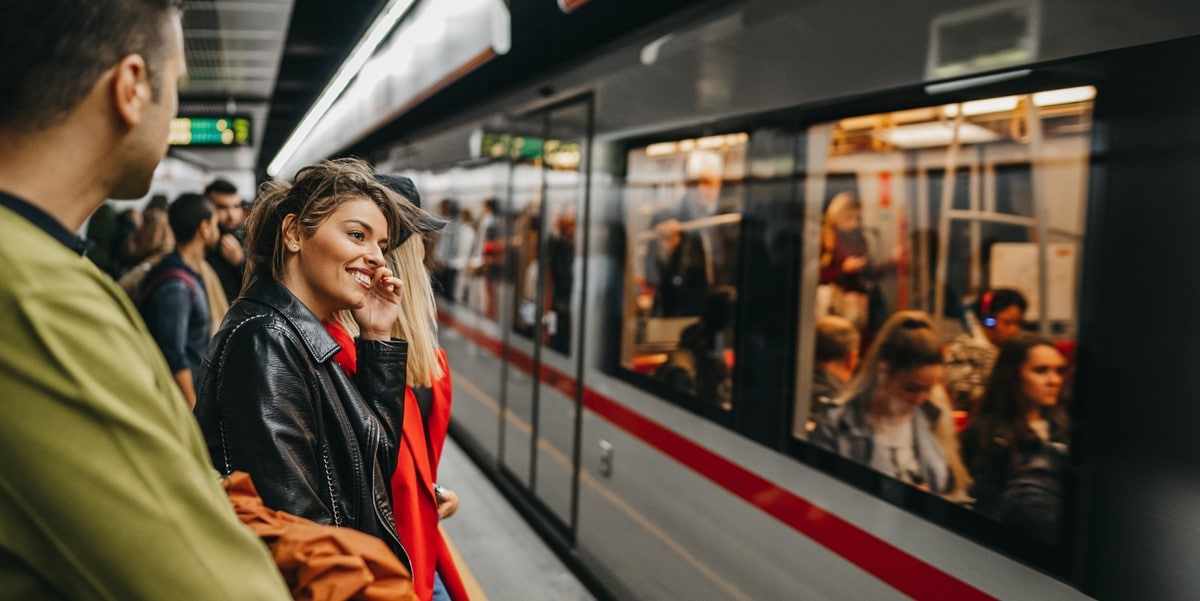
[997, 316]
[988, 232]
[836, 361]
[894, 415]
[1016, 445]
[685, 202]
[896, 234]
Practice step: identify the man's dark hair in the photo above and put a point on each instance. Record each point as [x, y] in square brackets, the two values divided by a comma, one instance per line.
[54, 51]
[220, 186]
[187, 213]
[996, 300]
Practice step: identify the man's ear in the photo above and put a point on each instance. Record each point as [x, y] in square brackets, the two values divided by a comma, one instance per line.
[131, 89]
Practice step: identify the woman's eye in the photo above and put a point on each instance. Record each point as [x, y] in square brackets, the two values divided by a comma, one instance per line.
[357, 236]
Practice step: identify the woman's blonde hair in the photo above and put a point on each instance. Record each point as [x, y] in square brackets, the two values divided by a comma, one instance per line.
[841, 203]
[418, 322]
[418, 315]
[907, 341]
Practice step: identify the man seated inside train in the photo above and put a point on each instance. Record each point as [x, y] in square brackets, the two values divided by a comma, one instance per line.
[993, 318]
[837, 359]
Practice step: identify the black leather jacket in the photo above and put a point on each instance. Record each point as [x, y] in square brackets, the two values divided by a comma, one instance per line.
[273, 403]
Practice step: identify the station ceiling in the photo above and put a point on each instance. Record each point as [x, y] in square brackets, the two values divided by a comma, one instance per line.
[271, 59]
[268, 59]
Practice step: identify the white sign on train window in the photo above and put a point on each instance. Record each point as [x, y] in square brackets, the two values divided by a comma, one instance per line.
[1016, 265]
[983, 38]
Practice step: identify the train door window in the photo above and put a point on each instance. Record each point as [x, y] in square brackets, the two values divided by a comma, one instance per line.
[937, 310]
[463, 254]
[683, 203]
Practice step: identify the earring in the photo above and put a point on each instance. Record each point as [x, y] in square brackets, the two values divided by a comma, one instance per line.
[294, 247]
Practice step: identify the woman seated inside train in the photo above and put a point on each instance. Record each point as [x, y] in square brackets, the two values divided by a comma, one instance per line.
[992, 319]
[849, 275]
[894, 416]
[272, 401]
[1016, 445]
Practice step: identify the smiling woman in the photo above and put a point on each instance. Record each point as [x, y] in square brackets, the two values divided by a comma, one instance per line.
[272, 402]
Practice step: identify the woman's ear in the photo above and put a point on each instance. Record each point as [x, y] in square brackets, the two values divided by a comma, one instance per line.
[290, 229]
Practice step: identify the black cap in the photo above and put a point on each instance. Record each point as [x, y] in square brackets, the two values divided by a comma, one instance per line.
[425, 221]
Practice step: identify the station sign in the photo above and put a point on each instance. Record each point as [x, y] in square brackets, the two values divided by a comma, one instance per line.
[210, 131]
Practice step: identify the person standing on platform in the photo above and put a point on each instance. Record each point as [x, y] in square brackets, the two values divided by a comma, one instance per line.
[271, 401]
[172, 298]
[107, 491]
[228, 257]
[419, 501]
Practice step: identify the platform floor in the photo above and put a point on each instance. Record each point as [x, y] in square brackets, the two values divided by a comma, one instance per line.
[503, 556]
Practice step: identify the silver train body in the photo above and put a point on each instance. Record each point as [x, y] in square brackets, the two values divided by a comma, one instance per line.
[660, 491]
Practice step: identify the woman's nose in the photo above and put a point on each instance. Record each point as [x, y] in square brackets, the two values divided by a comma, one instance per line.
[376, 259]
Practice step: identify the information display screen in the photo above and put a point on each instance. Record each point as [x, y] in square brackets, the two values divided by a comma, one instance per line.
[210, 131]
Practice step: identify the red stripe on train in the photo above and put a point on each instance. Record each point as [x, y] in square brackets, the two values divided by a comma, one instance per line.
[877, 557]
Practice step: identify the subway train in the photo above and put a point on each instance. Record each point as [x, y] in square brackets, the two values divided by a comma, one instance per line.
[633, 275]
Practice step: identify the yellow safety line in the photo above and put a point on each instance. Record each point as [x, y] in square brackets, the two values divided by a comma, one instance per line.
[474, 591]
[487, 401]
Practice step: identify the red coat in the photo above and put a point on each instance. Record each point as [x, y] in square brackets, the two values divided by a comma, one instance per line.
[412, 490]
[414, 503]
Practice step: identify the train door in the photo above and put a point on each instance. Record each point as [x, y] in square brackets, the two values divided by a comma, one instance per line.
[544, 367]
[516, 251]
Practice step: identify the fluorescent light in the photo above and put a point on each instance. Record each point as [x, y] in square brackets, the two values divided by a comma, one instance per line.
[1064, 96]
[924, 135]
[987, 106]
[662, 149]
[1003, 104]
[383, 25]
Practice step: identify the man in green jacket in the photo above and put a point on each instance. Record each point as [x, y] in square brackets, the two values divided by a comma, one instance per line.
[106, 490]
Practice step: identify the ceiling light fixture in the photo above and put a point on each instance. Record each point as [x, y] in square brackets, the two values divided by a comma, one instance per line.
[380, 28]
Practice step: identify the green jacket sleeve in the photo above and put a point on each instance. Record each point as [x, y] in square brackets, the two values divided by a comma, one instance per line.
[107, 491]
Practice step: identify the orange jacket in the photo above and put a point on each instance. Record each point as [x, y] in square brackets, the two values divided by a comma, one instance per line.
[319, 561]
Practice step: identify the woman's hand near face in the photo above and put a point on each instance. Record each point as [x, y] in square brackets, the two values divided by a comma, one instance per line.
[381, 308]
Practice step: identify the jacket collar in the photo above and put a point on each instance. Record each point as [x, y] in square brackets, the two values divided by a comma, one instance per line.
[269, 292]
[854, 418]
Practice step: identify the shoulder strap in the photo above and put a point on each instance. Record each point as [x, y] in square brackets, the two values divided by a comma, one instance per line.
[173, 273]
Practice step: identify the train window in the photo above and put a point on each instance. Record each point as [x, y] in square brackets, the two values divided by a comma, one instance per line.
[938, 312]
[683, 203]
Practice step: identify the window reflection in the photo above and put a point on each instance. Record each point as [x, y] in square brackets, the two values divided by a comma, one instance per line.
[683, 215]
[948, 252]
